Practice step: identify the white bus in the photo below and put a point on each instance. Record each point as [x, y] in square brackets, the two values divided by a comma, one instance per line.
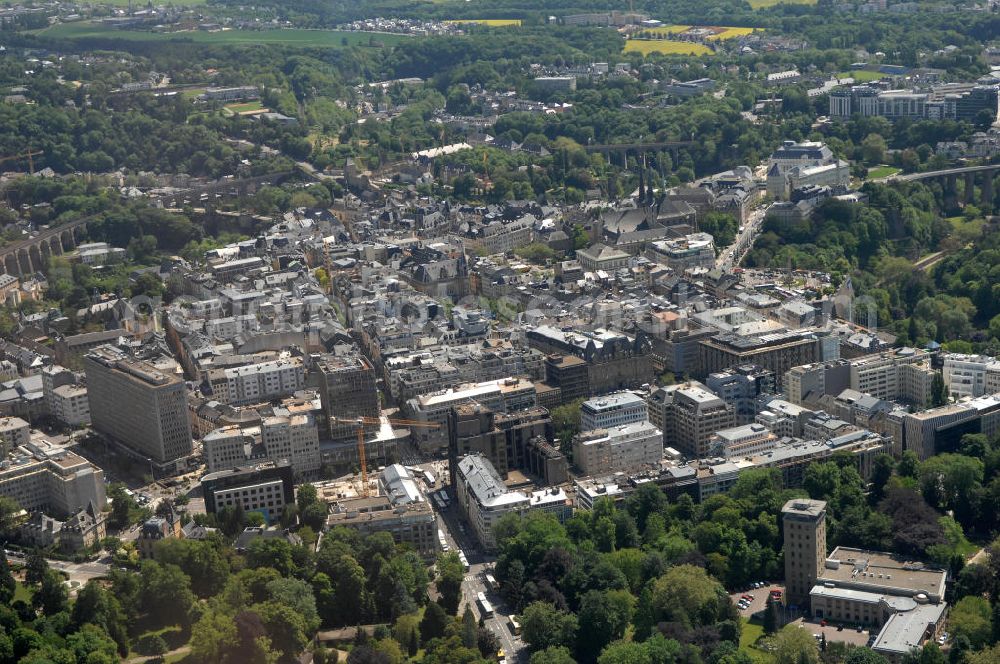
[485, 608]
[491, 583]
[429, 479]
[515, 627]
[463, 559]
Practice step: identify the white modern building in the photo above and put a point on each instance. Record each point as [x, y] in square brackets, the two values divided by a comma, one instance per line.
[967, 375]
[743, 441]
[612, 410]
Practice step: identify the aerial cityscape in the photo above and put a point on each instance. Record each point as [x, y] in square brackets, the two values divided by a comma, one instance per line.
[500, 331]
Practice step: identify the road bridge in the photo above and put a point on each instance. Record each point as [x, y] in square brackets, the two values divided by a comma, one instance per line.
[949, 177]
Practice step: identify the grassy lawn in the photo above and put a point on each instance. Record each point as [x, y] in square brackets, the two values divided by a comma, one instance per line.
[763, 4]
[173, 636]
[304, 38]
[666, 47]
[882, 172]
[861, 75]
[752, 631]
[667, 30]
[244, 107]
[22, 592]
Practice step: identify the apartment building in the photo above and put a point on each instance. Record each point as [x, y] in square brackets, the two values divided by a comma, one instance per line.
[904, 374]
[70, 404]
[257, 383]
[807, 383]
[65, 400]
[226, 447]
[626, 447]
[139, 406]
[743, 441]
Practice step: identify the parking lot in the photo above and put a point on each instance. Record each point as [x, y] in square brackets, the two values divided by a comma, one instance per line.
[759, 598]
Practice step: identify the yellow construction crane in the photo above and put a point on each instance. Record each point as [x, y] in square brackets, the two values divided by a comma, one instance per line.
[360, 422]
[27, 153]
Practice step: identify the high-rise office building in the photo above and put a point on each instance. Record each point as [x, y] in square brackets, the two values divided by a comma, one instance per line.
[138, 406]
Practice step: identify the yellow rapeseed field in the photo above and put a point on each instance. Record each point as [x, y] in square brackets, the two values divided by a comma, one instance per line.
[494, 22]
[666, 47]
[731, 33]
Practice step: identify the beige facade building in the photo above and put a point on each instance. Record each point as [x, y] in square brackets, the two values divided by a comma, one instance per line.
[41, 476]
[226, 447]
[622, 448]
[256, 383]
[293, 437]
[485, 499]
[70, 404]
[694, 416]
[14, 432]
[743, 441]
[904, 374]
[138, 405]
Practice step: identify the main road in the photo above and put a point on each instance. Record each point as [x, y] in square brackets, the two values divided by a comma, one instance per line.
[732, 255]
[460, 537]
